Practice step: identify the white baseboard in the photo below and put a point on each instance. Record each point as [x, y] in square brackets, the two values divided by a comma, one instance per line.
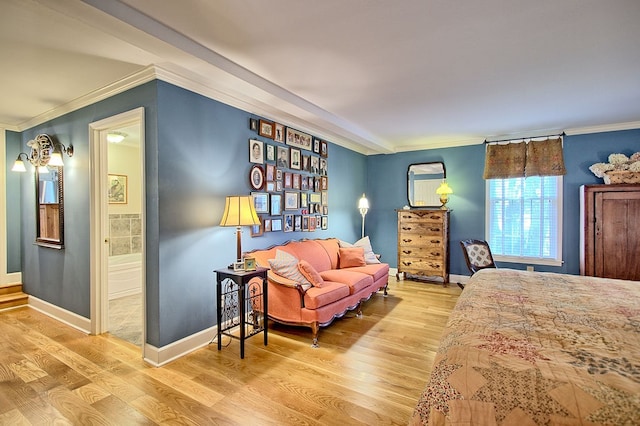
[67, 317]
[452, 278]
[12, 278]
[161, 356]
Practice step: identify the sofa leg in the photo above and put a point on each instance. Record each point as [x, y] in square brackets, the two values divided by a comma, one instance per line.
[385, 290]
[315, 329]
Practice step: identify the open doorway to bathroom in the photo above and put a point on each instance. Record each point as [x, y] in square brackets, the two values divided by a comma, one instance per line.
[117, 227]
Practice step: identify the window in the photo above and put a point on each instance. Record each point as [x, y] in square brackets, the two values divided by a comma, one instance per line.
[524, 219]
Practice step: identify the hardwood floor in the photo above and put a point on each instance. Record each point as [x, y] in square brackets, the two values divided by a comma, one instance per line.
[368, 370]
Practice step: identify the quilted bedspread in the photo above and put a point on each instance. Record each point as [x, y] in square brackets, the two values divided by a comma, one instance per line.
[534, 348]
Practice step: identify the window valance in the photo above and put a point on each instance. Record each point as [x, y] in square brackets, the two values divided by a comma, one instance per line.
[524, 159]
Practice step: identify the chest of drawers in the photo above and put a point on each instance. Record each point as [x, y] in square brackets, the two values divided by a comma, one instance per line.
[423, 244]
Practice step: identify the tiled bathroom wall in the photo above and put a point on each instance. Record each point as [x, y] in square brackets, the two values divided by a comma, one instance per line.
[125, 234]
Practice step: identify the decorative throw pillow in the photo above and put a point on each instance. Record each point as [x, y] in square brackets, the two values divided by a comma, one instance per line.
[286, 265]
[369, 256]
[310, 273]
[351, 257]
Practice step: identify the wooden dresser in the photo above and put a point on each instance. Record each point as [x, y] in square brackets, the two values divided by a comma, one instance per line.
[423, 244]
[610, 239]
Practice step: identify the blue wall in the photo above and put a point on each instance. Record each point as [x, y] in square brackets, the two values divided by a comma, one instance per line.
[13, 210]
[196, 153]
[465, 165]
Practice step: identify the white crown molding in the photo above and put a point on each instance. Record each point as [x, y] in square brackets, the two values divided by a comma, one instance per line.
[631, 125]
[133, 80]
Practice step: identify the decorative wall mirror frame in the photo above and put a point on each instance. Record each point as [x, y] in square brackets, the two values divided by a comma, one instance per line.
[422, 181]
[50, 208]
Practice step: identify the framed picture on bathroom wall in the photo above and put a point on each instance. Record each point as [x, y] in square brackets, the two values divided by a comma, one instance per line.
[118, 188]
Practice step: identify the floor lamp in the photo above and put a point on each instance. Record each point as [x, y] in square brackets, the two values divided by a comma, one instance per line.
[363, 205]
[239, 211]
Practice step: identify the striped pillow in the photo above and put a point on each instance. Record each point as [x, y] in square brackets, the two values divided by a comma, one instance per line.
[286, 265]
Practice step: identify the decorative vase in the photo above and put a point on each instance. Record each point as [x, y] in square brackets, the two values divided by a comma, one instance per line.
[621, 176]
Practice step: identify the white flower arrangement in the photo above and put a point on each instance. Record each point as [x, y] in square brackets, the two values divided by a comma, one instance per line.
[617, 162]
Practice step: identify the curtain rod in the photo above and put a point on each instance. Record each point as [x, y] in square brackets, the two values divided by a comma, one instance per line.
[529, 137]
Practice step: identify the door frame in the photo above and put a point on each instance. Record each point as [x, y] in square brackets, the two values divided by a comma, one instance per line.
[99, 223]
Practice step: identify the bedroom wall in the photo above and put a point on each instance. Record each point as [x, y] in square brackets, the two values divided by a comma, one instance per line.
[465, 166]
[196, 154]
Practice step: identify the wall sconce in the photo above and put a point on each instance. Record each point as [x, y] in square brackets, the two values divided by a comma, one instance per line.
[443, 191]
[239, 211]
[363, 205]
[44, 152]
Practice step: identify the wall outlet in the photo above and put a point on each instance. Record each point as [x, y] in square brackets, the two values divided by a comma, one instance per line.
[530, 268]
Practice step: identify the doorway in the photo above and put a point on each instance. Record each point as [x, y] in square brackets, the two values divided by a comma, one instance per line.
[117, 227]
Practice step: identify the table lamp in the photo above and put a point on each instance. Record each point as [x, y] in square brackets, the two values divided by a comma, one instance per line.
[239, 211]
[443, 191]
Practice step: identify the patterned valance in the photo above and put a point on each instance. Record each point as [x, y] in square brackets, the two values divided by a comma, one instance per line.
[534, 158]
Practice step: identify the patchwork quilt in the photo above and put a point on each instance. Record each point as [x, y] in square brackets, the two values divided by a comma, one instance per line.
[534, 348]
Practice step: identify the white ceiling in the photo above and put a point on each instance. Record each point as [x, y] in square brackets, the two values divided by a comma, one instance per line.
[373, 75]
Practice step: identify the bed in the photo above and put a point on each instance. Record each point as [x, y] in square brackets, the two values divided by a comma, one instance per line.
[539, 348]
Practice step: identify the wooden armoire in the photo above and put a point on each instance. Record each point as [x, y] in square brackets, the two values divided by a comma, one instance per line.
[610, 239]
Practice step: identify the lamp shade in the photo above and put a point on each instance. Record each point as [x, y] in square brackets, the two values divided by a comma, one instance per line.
[18, 166]
[239, 211]
[363, 203]
[444, 189]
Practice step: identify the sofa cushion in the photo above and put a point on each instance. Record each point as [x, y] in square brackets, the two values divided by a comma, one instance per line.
[364, 242]
[377, 271]
[331, 246]
[286, 265]
[351, 257]
[355, 280]
[312, 252]
[330, 292]
[310, 273]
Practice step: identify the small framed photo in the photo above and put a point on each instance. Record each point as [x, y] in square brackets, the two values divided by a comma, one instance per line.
[324, 151]
[276, 204]
[316, 145]
[283, 157]
[288, 180]
[253, 124]
[270, 172]
[298, 139]
[304, 183]
[315, 165]
[238, 266]
[278, 174]
[249, 263]
[257, 230]
[305, 162]
[278, 186]
[118, 188]
[304, 203]
[323, 167]
[288, 223]
[256, 177]
[325, 222]
[296, 181]
[266, 129]
[278, 135]
[295, 159]
[255, 151]
[312, 223]
[276, 225]
[324, 183]
[297, 223]
[267, 225]
[260, 202]
[271, 153]
[310, 183]
[305, 223]
[324, 198]
[291, 201]
[270, 187]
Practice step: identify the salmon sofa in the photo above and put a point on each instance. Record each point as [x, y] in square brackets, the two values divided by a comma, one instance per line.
[317, 302]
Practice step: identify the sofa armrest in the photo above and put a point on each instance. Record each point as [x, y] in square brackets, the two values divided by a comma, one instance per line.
[286, 282]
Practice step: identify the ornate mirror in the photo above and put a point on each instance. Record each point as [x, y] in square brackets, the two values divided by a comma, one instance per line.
[423, 179]
[50, 208]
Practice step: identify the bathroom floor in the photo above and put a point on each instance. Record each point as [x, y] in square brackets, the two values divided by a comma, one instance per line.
[125, 318]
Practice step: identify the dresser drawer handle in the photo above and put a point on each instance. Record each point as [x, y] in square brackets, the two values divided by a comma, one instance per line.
[435, 217]
[434, 229]
[435, 241]
[406, 263]
[406, 228]
[435, 253]
[406, 251]
[407, 240]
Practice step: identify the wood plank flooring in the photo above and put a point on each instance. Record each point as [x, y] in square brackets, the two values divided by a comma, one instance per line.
[367, 371]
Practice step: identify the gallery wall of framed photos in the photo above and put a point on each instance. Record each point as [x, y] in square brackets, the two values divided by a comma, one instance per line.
[288, 179]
